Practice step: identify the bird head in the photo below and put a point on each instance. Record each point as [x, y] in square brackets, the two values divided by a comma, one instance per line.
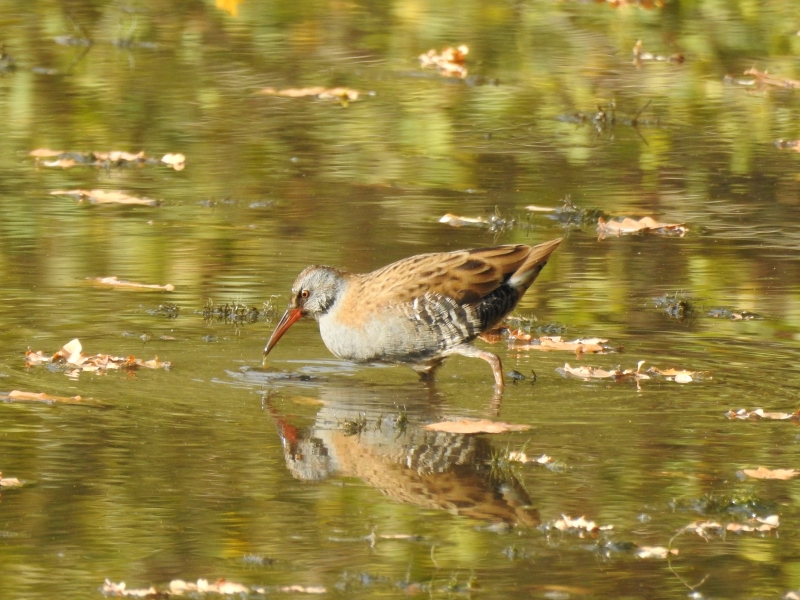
[313, 294]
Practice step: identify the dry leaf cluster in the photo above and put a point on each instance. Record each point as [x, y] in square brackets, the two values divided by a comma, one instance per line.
[590, 373]
[116, 158]
[179, 587]
[760, 413]
[72, 356]
[449, 62]
[707, 528]
[643, 225]
[581, 525]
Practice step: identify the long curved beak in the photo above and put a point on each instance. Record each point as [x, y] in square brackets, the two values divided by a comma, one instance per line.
[287, 320]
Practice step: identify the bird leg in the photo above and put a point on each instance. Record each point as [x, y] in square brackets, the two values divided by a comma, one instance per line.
[492, 359]
[427, 370]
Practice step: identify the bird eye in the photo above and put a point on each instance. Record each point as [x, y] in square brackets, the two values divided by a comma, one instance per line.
[304, 294]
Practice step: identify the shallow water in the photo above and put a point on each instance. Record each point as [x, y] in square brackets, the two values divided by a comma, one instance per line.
[311, 471]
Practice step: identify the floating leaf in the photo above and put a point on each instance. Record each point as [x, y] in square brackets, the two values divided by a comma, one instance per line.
[176, 161]
[449, 62]
[19, 396]
[788, 145]
[303, 589]
[760, 413]
[475, 426]
[655, 552]
[643, 225]
[765, 473]
[338, 93]
[121, 283]
[556, 342]
[679, 376]
[45, 153]
[105, 197]
[113, 158]
[119, 589]
[589, 373]
[640, 56]
[523, 458]
[763, 78]
[456, 221]
[566, 523]
[10, 482]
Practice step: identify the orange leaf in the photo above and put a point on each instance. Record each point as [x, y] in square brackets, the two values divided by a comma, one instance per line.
[475, 426]
[765, 473]
[121, 283]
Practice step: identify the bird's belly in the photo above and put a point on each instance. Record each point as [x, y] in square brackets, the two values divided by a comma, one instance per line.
[379, 339]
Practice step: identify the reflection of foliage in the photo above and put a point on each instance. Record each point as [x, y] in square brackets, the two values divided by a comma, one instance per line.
[238, 313]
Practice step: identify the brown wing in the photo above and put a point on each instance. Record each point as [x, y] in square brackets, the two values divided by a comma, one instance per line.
[466, 276]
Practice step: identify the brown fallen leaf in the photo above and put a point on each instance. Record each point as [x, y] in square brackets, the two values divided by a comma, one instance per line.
[45, 153]
[655, 552]
[449, 62]
[113, 158]
[758, 524]
[589, 373]
[178, 587]
[121, 283]
[63, 163]
[643, 225]
[703, 528]
[760, 413]
[679, 376]
[119, 589]
[303, 589]
[19, 396]
[456, 221]
[118, 155]
[765, 473]
[176, 161]
[640, 56]
[475, 426]
[338, 93]
[10, 482]
[523, 458]
[556, 342]
[105, 197]
[765, 79]
[566, 523]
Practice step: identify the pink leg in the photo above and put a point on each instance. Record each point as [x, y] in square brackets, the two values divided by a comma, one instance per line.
[492, 359]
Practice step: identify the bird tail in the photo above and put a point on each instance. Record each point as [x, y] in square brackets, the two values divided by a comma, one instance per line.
[534, 263]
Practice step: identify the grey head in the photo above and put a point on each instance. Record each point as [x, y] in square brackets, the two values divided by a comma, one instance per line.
[315, 290]
[314, 293]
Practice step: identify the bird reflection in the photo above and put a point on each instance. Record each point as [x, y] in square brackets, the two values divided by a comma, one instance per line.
[377, 435]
